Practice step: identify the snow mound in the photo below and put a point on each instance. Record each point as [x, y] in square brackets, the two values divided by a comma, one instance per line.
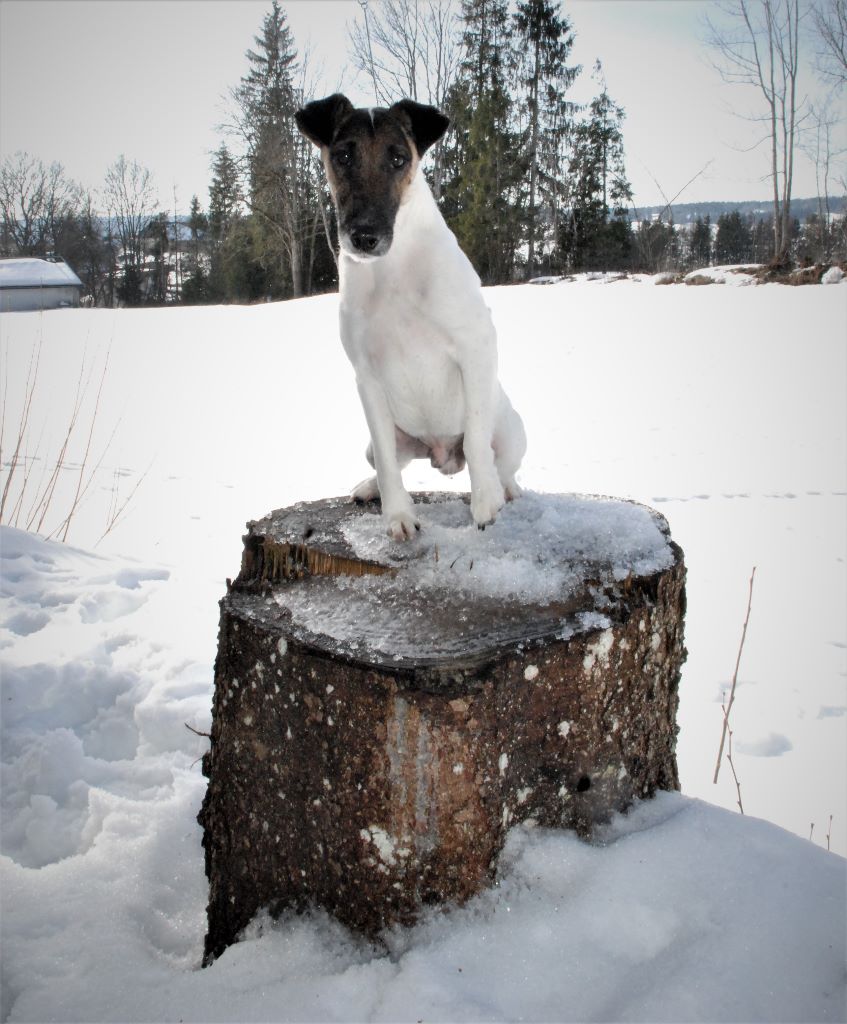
[738, 276]
[835, 275]
[89, 703]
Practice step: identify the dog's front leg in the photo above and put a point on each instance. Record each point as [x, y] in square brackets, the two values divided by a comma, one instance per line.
[397, 506]
[478, 363]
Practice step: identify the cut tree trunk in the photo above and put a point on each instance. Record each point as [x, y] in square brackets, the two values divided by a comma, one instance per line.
[384, 713]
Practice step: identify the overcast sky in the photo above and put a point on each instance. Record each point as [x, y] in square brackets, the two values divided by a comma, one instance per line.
[82, 81]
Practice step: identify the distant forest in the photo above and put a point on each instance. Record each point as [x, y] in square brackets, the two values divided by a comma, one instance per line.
[531, 183]
[687, 213]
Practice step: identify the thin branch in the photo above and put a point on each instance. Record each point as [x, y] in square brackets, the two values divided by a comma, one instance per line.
[728, 708]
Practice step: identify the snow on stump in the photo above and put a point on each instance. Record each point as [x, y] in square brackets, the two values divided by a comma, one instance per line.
[384, 712]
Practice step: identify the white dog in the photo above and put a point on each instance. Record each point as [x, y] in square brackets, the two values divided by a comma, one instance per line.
[413, 320]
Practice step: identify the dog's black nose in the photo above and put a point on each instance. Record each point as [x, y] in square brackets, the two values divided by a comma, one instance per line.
[364, 240]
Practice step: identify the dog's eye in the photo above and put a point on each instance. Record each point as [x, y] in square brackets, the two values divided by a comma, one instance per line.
[399, 161]
[343, 157]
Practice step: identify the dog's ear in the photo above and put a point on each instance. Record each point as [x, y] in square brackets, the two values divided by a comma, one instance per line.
[426, 124]
[319, 119]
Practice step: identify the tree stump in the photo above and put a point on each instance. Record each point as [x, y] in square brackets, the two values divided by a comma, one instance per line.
[384, 712]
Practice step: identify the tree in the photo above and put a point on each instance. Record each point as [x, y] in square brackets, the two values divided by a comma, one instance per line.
[158, 247]
[132, 204]
[283, 193]
[35, 202]
[830, 22]
[733, 240]
[224, 194]
[760, 47]
[655, 246]
[701, 242]
[225, 209]
[545, 40]
[596, 233]
[410, 48]
[484, 168]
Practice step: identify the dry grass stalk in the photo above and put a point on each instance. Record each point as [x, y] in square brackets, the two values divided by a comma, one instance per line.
[29, 503]
[726, 731]
[80, 489]
[31, 380]
[116, 512]
[43, 498]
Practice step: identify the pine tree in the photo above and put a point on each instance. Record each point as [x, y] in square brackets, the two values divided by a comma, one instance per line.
[224, 216]
[596, 232]
[195, 285]
[701, 242]
[283, 190]
[734, 240]
[545, 40]
[483, 164]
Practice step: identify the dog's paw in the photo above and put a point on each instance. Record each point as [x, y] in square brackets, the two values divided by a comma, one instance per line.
[367, 490]
[512, 490]
[401, 525]
[486, 502]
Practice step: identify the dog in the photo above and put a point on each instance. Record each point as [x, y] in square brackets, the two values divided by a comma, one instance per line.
[412, 316]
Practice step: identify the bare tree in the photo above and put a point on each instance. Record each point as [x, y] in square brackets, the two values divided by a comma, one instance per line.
[131, 201]
[35, 200]
[758, 45]
[409, 48]
[830, 22]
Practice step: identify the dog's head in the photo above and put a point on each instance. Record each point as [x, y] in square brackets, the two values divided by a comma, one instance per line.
[370, 157]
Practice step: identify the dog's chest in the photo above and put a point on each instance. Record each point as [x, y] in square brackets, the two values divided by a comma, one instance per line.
[412, 358]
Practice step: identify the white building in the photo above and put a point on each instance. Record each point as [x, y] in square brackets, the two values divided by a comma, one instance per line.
[31, 283]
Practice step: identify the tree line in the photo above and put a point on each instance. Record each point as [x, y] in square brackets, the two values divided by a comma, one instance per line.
[530, 182]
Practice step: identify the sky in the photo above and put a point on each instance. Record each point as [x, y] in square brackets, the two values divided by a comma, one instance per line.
[84, 81]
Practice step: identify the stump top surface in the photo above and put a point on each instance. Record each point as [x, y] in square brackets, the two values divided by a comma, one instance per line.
[552, 566]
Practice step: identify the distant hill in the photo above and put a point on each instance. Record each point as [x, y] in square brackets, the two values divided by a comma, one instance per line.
[686, 213]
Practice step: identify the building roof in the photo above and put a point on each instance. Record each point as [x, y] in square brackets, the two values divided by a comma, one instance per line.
[35, 273]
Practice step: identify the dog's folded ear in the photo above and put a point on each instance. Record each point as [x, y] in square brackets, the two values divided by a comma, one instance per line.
[426, 124]
[319, 119]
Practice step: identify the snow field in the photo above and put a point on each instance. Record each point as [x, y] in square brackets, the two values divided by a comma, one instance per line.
[724, 408]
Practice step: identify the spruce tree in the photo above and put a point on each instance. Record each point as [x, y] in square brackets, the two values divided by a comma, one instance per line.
[545, 41]
[701, 242]
[734, 239]
[483, 163]
[596, 232]
[283, 188]
[224, 216]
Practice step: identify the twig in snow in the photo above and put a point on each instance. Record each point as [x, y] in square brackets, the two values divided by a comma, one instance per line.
[728, 708]
[116, 512]
[732, 763]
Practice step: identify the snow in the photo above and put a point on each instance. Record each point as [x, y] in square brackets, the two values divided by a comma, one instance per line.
[26, 272]
[737, 275]
[722, 407]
